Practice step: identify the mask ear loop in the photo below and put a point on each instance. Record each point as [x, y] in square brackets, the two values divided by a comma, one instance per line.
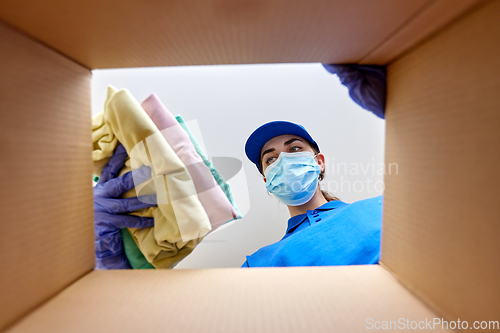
[318, 164]
[316, 156]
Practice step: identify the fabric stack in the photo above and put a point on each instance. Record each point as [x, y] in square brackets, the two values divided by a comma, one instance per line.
[193, 198]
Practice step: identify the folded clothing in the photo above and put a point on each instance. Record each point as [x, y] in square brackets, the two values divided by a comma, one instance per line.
[215, 196]
[211, 196]
[135, 256]
[226, 188]
[181, 221]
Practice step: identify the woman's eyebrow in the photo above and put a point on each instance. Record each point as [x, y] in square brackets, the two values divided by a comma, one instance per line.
[290, 141]
[266, 151]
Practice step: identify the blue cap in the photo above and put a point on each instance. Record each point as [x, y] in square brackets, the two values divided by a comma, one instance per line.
[266, 132]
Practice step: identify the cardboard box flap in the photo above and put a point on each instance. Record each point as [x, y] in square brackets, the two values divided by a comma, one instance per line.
[286, 299]
[128, 33]
[440, 215]
[46, 241]
[429, 20]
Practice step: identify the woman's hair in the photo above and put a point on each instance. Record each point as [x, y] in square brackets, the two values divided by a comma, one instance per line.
[327, 195]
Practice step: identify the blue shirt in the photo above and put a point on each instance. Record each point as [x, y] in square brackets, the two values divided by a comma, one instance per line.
[336, 233]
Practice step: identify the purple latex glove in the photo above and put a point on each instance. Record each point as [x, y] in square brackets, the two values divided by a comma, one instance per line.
[366, 83]
[111, 214]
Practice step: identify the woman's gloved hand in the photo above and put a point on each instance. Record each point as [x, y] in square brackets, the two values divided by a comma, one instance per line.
[111, 214]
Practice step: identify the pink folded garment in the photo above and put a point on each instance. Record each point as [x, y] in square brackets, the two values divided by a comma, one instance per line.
[211, 196]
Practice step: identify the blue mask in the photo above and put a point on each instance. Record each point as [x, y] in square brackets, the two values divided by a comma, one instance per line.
[293, 177]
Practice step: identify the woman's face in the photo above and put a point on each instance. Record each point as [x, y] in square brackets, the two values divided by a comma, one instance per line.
[285, 143]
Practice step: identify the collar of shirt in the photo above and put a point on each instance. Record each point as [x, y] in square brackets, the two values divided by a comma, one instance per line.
[298, 219]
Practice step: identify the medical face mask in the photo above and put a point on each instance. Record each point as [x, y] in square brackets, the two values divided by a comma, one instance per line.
[293, 177]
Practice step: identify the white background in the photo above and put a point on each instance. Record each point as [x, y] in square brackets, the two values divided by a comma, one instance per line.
[229, 102]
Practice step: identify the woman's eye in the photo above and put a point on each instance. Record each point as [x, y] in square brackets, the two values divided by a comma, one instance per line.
[294, 150]
[270, 160]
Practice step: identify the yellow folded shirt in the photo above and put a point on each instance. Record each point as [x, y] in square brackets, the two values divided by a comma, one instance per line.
[180, 219]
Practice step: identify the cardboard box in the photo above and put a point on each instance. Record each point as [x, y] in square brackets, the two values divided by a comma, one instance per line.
[441, 218]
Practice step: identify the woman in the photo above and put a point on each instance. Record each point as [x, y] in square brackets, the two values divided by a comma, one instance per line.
[322, 230]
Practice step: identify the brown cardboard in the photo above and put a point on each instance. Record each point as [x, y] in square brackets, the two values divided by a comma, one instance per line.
[440, 214]
[286, 299]
[46, 239]
[128, 33]
[440, 217]
[430, 19]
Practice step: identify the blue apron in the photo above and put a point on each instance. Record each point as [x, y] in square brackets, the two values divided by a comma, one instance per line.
[337, 233]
